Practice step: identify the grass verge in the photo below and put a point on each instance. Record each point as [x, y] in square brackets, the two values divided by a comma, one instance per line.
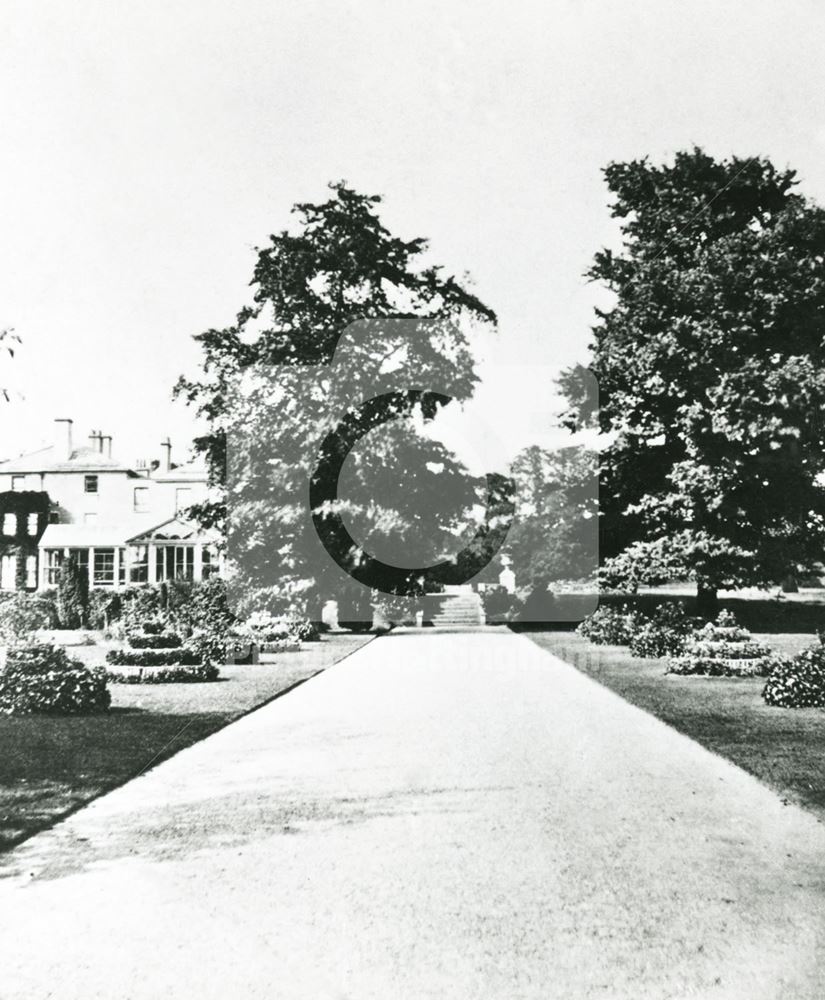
[785, 748]
[51, 765]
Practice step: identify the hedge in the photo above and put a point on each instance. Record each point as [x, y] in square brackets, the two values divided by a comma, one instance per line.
[153, 657]
[166, 640]
[167, 675]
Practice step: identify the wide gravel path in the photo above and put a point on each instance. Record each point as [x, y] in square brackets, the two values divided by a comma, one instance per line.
[441, 815]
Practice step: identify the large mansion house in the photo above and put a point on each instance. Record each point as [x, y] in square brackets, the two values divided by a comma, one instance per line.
[125, 524]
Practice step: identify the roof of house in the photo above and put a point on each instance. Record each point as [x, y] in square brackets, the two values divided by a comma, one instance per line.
[190, 472]
[80, 460]
[84, 536]
[173, 529]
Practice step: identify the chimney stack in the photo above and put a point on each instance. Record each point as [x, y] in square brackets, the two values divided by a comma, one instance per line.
[106, 442]
[63, 438]
[95, 441]
[167, 458]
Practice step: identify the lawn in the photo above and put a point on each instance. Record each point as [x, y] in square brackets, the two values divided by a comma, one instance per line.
[785, 748]
[50, 766]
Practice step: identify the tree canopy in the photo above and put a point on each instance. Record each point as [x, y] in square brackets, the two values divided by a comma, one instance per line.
[337, 266]
[710, 372]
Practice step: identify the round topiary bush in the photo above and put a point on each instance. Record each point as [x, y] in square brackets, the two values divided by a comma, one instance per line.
[42, 679]
[798, 681]
[723, 649]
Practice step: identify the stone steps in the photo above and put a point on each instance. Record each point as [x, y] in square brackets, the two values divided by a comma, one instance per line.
[464, 609]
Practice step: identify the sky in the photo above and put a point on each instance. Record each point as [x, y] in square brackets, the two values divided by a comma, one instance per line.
[149, 148]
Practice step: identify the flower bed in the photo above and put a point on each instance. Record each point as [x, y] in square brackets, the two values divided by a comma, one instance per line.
[723, 649]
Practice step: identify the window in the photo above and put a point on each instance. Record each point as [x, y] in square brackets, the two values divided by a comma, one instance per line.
[90, 484]
[104, 568]
[8, 573]
[183, 498]
[175, 562]
[31, 572]
[121, 568]
[207, 566]
[139, 571]
[54, 560]
[82, 556]
[31, 524]
[10, 524]
[18, 483]
[141, 499]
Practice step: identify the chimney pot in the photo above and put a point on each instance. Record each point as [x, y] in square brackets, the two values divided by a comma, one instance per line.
[63, 438]
[167, 458]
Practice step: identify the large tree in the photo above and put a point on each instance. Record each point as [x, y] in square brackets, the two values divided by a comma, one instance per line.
[337, 265]
[711, 376]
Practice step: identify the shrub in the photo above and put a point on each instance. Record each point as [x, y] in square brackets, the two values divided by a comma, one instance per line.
[153, 657]
[73, 594]
[21, 615]
[167, 640]
[263, 627]
[302, 628]
[205, 617]
[153, 628]
[612, 626]
[139, 604]
[500, 606]
[202, 606]
[167, 675]
[269, 600]
[104, 608]
[722, 649]
[799, 681]
[664, 633]
[41, 678]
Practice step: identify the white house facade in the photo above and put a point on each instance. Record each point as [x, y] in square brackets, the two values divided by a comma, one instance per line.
[125, 524]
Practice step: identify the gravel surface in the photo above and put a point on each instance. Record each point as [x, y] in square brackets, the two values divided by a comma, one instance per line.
[438, 816]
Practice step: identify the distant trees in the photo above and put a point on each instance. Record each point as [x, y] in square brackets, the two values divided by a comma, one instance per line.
[711, 372]
[555, 534]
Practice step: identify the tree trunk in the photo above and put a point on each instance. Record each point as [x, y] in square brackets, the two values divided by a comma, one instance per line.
[707, 602]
